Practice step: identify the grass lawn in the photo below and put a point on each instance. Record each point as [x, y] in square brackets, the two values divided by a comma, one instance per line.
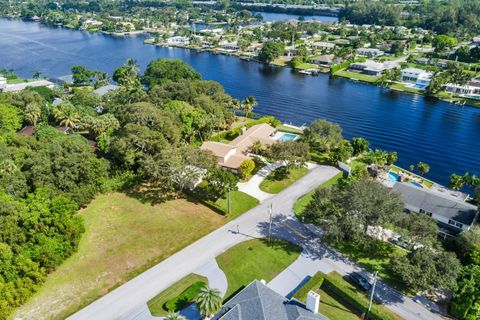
[281, 61]
[304, 200]
[18, 80]
[402, 87]
[276, 186]
[305, 66]
[123, 238]
[284, 128]
[356, 76]
[240, 202]
[376, 258]
[255, 259]
[157, 304]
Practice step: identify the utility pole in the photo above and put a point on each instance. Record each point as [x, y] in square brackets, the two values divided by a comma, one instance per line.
[229, 208]
[270, 210]
[371, 294]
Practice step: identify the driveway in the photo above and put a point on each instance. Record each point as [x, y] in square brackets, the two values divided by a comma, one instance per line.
[252, 186]
[119, 303]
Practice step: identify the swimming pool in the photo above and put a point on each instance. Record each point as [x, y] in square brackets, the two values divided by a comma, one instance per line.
[416, 184]
[287, 137]
[392, 177]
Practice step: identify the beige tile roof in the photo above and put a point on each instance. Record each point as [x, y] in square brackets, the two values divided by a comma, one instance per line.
[260, 132]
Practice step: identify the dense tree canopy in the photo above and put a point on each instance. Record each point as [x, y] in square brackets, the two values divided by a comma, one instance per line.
[162, 70]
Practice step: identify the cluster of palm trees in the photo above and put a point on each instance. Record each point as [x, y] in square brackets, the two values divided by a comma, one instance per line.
[457, 181]
[247, 106]
[209, 302]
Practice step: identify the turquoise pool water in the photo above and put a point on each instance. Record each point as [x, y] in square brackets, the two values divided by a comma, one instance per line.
[287, 137]
[392, 177]
[418, 185]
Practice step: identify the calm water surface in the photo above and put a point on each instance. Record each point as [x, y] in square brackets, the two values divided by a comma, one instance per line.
[441, 134]
[272, 16]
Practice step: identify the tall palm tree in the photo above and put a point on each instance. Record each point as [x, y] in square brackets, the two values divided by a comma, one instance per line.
[209, 301]
[66, 115]
[247, 105]
[33, 112]
[174, 316]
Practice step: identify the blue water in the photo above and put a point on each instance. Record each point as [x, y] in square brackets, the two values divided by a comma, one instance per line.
[392, 177]
[288, 137]
[419, 129]
[416, 184]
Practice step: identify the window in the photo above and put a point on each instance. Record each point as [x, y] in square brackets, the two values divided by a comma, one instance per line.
[422, 211]
[429, 214]
[455, 223]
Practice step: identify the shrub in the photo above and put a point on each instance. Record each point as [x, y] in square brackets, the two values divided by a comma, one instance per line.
[246, 168]
[279, 174]
[184, 298]
[315, 282]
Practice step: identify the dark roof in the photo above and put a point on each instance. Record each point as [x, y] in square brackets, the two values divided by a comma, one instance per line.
[258, 302]
[26, 131]
[436, 203]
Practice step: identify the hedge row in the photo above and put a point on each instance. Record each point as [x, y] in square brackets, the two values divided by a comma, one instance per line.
[315, 282]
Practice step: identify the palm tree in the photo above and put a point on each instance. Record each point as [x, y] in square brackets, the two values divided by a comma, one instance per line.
[174, 316]
[247, 105]
[209, 301]
[66, 115]
[33, 113]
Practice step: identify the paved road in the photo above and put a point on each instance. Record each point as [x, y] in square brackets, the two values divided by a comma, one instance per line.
[133, 294]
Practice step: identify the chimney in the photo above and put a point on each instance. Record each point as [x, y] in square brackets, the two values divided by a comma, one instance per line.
[313, 301]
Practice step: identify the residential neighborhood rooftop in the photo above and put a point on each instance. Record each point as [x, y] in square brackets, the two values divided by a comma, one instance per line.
[257, 301]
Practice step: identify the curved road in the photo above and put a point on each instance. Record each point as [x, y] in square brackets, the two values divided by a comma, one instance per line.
[132, 295]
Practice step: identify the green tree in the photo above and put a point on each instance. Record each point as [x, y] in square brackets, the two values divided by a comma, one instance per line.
[423, 168]
[246, 168]
[33, 112]
[162, 70]
[174, 316]
[220, 182]
[10, 120]
[342, 152]
[360, 145]
[66, 115]
[419, 228]
[456, 182]
[291, 153]
[466, 298]
[323, 135]
[271, 50]
[128, 75]
[247, 105]
[427, 269]
[81, 75]
[209, 301]
[443, 42]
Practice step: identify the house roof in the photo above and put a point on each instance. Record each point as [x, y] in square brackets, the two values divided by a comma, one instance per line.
[260, 132]
[26, 131]
[436, 203]
[219, 149]
[257, 301]
[103, 90]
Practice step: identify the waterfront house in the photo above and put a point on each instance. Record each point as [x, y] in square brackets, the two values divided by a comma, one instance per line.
[325, 60]
[452, 215]
[372, 68]
[231, 155]
[105, 89]
[257, 301]
[370, 53]
[327, 46]
[419, 77]
[178, 41]
[23, 85]
[470, 90]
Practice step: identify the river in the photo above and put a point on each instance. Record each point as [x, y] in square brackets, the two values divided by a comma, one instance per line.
[438, 133]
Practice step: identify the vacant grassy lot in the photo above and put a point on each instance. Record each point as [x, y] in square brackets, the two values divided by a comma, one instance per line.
[356, 76]
[275, 186]
[240, 202]
[256, 259]
[157, 304]
[304, 200]
[304, 66]
[123, 238]
[288, 129]
[402, 87]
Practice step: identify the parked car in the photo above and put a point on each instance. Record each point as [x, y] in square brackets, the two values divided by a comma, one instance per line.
[360, 280]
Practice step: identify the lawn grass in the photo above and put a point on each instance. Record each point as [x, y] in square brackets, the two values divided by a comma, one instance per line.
[18, 80]
[304, 200]
[255, 259]
[281, 61]
[158, 304]
[240, 202]
[402, 87]
[123, 238]
[305, 66]
[376, 258]
[357, 76]
[284, 128]
[346, 294]
[275, 186]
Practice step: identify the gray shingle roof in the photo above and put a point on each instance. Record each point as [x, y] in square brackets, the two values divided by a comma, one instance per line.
[436, 203]
[258, 302]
